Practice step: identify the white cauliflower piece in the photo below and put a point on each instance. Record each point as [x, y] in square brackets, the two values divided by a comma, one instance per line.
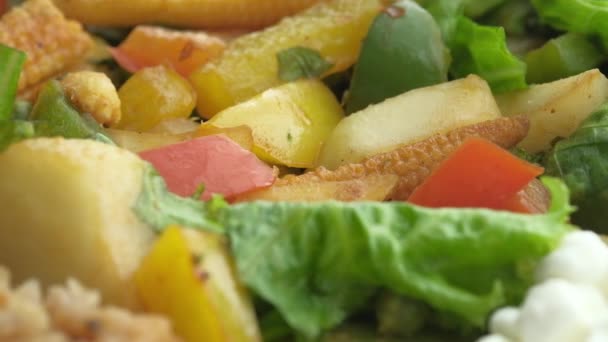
[505, 322]
[570, 303]
[560, 311]
[494, 338]
[582, 258]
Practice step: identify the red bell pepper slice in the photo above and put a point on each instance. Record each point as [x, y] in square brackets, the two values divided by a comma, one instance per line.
[222, 165]
[479, 174]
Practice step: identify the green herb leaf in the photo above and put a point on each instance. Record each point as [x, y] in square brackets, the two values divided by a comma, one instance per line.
[300, 62]
[159, 208]
[199, 191]
[11, 62]
[318, 262]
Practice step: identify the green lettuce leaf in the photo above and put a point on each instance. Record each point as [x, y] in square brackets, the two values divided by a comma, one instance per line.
[478, 8]
[564, 56]
[318, 262]
[582, 161]
[482, 50]
[478, 49]
[588, 17]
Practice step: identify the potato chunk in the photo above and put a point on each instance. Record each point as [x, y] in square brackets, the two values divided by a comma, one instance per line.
[66, 212]
[555, 109]
[408, 118]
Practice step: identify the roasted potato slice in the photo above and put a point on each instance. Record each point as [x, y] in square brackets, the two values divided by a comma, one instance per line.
[555, 109]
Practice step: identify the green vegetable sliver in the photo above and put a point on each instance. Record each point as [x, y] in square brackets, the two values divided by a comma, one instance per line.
[11, 63]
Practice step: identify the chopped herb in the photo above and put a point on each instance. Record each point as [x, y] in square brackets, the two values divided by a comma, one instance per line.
[300, 62]
[289, 137]
[199, 191]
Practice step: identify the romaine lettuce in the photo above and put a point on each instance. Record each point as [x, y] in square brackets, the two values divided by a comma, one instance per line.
[317, 262]
[588, 17]
[477, 49]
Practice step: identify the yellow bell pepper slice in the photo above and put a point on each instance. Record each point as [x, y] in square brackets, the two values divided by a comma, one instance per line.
[152, 95]
[189, 277]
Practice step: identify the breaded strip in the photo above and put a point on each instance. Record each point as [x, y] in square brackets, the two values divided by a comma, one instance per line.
[413, 163]
[52, 43]
[217, 14]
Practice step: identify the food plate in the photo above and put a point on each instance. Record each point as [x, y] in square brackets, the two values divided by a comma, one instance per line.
[317, 170]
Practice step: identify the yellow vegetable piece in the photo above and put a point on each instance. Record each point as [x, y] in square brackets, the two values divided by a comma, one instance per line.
[289, 123]
[189, 277]
[249, 65]
[152, 95]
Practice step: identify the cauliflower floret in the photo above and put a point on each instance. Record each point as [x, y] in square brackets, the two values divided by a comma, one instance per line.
[504, 322]
[582, 258]
[494, 338]
[94, 93]
[558, 310]
[571, 302]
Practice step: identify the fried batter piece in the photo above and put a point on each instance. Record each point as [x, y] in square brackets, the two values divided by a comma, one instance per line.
[53, 44]
[413, 163]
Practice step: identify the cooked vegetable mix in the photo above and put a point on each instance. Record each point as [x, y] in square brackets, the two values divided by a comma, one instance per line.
[314, 170]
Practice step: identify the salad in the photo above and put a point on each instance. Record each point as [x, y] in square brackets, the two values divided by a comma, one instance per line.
[310, 170]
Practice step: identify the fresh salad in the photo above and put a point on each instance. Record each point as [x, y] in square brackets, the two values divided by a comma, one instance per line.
[304, 170]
